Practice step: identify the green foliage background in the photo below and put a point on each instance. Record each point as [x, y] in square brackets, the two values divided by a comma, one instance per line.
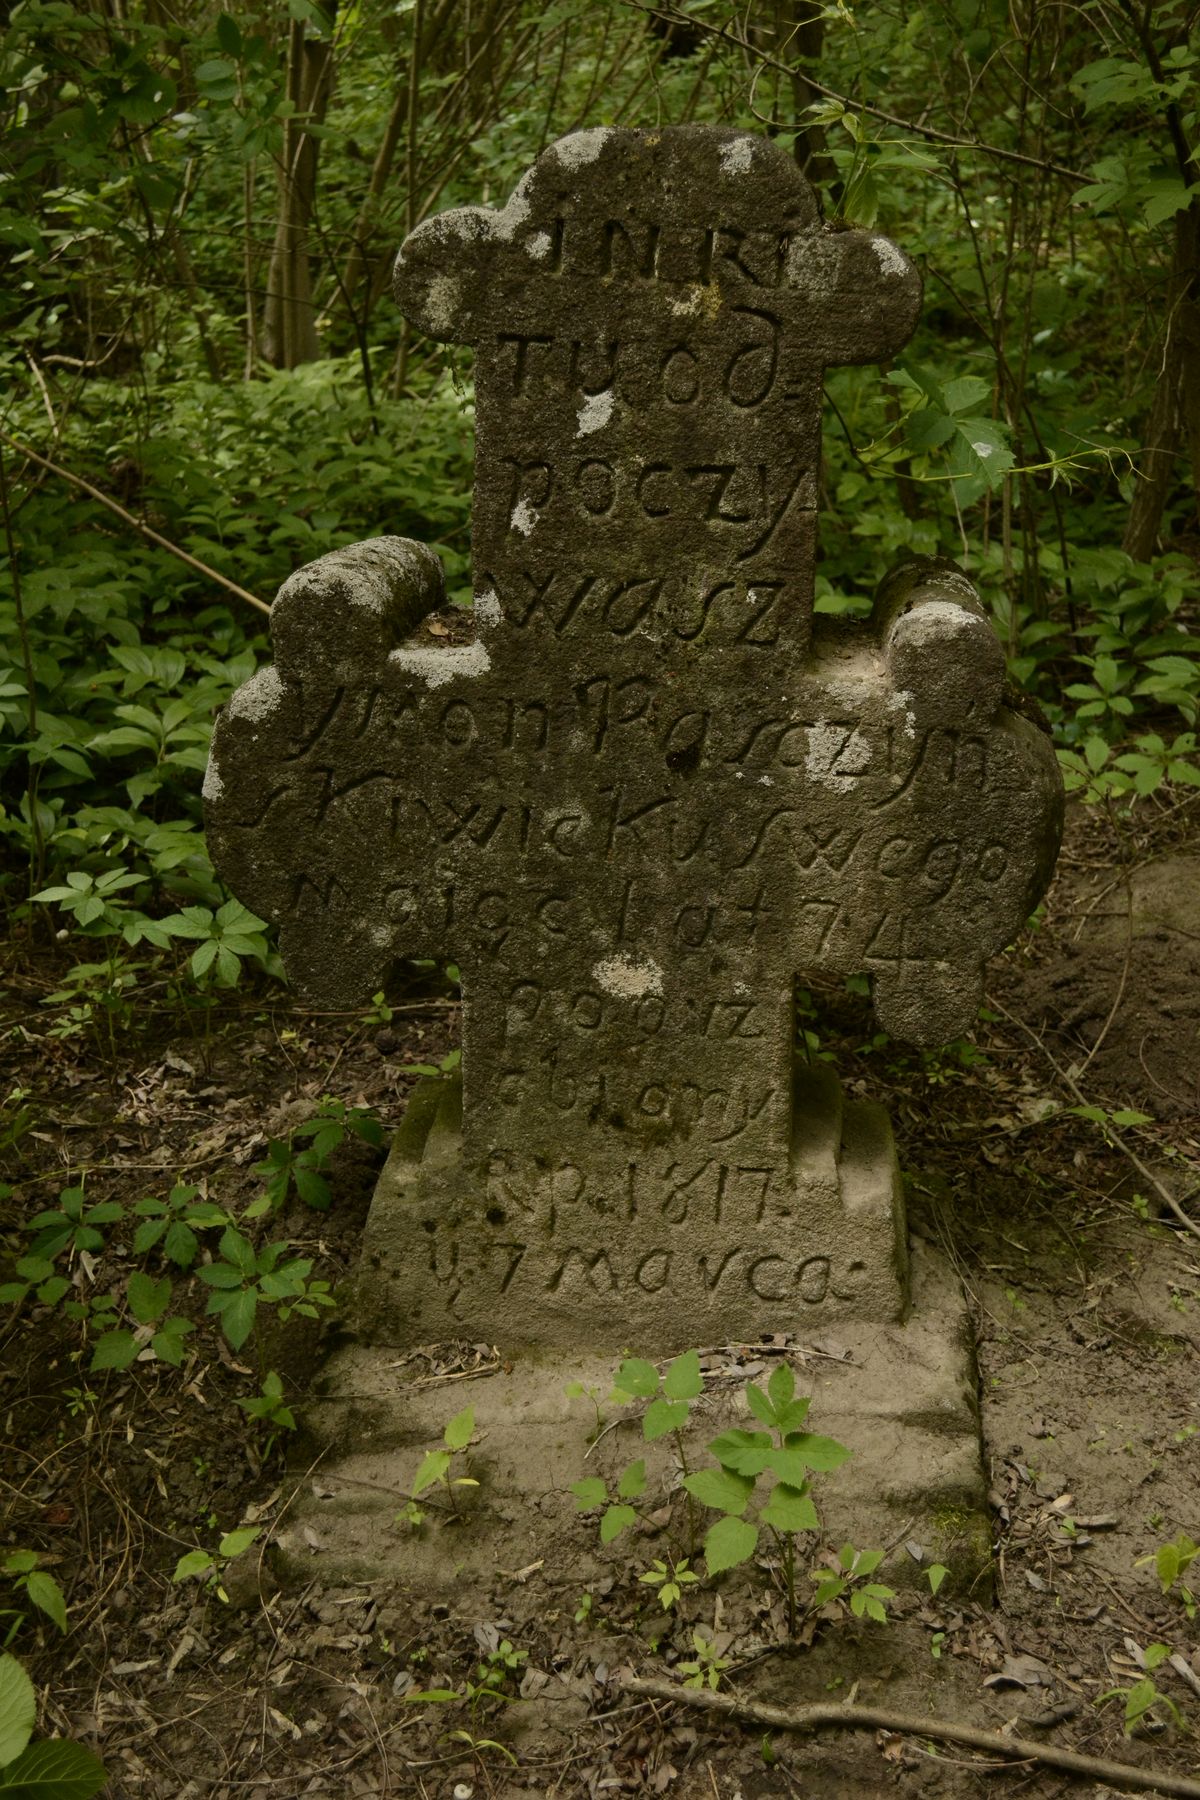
[198, 208]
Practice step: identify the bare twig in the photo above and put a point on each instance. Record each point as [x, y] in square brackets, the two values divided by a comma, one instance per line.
[127, 518]
[825, 1715]
[875, 112]
[1164, 1193]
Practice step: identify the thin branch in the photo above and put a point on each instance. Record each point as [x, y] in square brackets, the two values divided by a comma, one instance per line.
[1164, 1193]
[127, 518]
[826, 1715]
[875, 112]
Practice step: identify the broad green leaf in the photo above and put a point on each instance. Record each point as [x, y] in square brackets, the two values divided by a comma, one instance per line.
[237, 1317]
[663, 1416]
[615, 1521]
[47, 1596]
[115, 1350]
[720, 1489]
[637, 1378]
[195, 1562]
[589, 1492]
[729, 1542]
[633, 1481]
[815, 1452]
[459, 1431]
[54, 1770]
[148, 1298]
[790, 1509]
[433, 1467]
[745, 1452]
[781, 1388]
[683, 1380]
[234, 1542]
[18, 1709]
[759, 1405]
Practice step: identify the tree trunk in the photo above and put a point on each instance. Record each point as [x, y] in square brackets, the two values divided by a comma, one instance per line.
[1175, 410]
[289, 316]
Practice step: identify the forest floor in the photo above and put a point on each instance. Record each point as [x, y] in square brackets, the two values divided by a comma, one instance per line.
[1084, 1290]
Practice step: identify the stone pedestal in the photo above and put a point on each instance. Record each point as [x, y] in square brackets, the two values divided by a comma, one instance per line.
[706, 1250]
[901, 1397]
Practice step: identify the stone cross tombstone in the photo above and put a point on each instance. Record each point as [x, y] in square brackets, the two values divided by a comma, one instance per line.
[653, 791]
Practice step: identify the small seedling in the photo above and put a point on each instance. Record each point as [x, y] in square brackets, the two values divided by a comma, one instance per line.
[174, 1222]
[1171, 1564]
[788, 1455]
[243, 1278]
[1141, 1699]
[210, 1564]
[868, 1599]
[39, 1588]
[435, 1466]
[706, 1668]
[670, 1581]
[287, 1166]
[270, 1409]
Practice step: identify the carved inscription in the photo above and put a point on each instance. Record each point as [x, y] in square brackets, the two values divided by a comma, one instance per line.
[648, 793]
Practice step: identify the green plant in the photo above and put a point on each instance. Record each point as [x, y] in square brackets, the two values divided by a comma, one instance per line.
[156, 1330]
[269, 1409]
[174, 1222]
[849, 1576]
[229, 936]
[486, 1694]
[72, 1225]
[706, 1667]
[40, 1589]
[1171, 1563]
[245, 1278]
[435, 1466]
[669, 1410]
[669, 1580]
[1143, 1696]
[286, 1166]
[210, 1564]
[787, 1455]
[55, 1769]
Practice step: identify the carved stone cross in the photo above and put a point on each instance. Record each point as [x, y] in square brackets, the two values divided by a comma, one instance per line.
[652, 791]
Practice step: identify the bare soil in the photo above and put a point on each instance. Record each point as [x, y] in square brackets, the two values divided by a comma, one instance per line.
[1085, 1291]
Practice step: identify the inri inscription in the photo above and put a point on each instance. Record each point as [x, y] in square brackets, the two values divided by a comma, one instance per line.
[649, 794]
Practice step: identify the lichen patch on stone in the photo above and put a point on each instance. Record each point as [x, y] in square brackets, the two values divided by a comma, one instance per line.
[524, 518]
[935, 619]
[891, 260]
[902, 701]
[257, 698]
[436, 664]
[488, 610]
[213, 786]
[539, 246]
[737, 156]
[506, 222]
[628, 977]
[442, 303]
[836, 757]
[595, 412]
[582, 147]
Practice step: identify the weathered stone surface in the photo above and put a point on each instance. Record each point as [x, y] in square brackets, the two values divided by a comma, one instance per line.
[652, 792]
